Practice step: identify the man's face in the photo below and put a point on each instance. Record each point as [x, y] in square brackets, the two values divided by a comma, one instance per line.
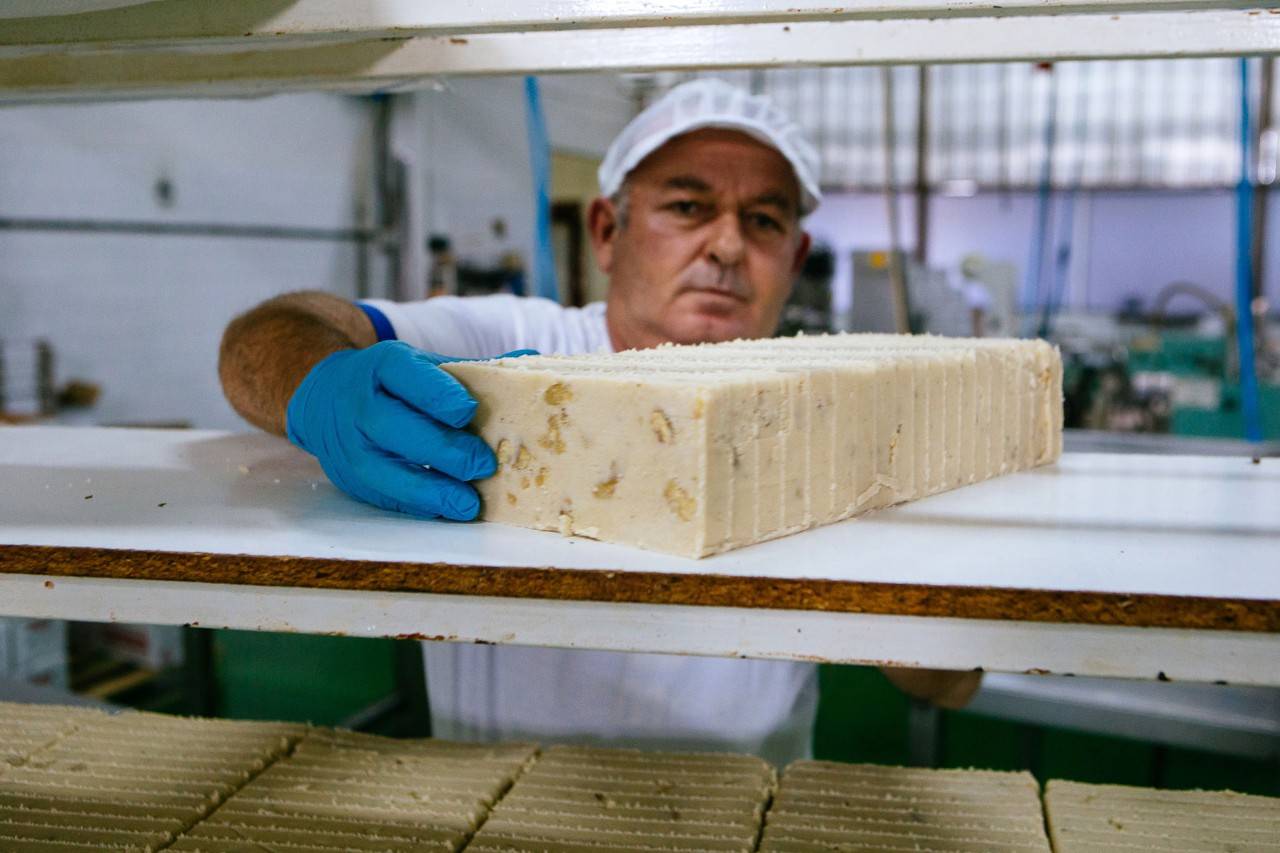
[710, 244]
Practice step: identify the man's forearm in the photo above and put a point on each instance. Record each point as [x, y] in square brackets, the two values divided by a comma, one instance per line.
[943, 687]
[266, 353]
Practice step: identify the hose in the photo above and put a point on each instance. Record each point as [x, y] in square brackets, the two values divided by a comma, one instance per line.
[544, 260]
[1250, 403]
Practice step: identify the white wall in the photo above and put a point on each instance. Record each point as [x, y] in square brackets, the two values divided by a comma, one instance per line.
[476, 162]
[142, 315]
[1125, 243]
[476, 155]
[285, 160]
[585, 111]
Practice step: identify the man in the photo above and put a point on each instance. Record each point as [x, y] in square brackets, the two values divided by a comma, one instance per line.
[698, 228]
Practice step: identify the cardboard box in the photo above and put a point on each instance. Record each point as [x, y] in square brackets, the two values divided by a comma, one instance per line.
[149, 646]
[6, 649]
[34, 651]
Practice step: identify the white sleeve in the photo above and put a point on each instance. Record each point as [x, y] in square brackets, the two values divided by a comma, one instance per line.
[471, 327]
[486, 326]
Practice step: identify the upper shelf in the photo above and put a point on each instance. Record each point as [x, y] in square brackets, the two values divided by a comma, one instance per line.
[174, 47]
[1076, 567]
[1127, 527]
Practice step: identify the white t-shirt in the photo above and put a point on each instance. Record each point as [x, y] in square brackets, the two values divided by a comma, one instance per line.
[487, 693]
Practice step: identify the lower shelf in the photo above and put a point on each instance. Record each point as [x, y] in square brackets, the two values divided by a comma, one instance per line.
[1166, 654]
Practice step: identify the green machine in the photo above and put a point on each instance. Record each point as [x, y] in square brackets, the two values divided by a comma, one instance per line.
[1198, 377]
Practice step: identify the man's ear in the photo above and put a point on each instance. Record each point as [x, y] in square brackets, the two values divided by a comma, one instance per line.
[603, 226]
[802, 252]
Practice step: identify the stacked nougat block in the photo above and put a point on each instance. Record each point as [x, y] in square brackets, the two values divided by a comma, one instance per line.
[77, 780]
[26, 729]
[347, 791]
[696, 450]
[592, 800]
[822, 806]
[1100, 818]
[129, 782]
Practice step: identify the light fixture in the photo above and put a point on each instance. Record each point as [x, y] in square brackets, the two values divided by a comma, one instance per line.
[1268, 154]
[960, 188]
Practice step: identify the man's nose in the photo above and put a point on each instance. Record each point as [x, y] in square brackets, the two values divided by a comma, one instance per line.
[726, 245]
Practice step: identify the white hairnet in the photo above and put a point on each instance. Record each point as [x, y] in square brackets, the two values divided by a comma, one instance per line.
[708, 102]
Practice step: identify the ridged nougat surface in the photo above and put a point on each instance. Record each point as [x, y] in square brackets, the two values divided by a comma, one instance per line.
[696, 450]
[823, 806]
[1086, 818]
[25, 729]
[583, 799]
[347, 791]
[130, 781]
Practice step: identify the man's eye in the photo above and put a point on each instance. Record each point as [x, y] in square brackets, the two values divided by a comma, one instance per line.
[685, 207]
[764, 221]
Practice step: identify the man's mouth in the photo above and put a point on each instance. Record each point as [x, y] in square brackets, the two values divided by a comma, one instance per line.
[721, 303]
[716, 292]
[712, 281]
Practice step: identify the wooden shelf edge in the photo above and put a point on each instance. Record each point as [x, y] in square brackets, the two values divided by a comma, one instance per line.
[656, 588]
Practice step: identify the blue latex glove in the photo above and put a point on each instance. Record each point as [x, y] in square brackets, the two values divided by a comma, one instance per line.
[374, 417]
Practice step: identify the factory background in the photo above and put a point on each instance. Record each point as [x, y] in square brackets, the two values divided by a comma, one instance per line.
[1097, 200]
[1118, 178]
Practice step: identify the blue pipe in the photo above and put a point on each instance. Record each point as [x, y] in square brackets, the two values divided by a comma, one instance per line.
[1249, 401]
[1062, 262]
[544, 261]
[1035, 264]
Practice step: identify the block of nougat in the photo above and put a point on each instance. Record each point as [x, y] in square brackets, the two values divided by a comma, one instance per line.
[578, 798]
[25, 729]
[1102, 818]
[347, 791]
[696, 450]
[823, 806]
[131, 781]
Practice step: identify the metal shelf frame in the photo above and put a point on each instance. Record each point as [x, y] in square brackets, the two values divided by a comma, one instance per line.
[173, 48]
[1151, 654]
[1120, 566]
[945, 611]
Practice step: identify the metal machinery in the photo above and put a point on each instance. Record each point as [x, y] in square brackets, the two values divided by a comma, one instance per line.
[1164, 373]
[1152, 371]
[1145, 568]
[26, 380]
[978, 299]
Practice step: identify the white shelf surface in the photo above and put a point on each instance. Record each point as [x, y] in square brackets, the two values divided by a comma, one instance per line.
[1195, 527]
[175, 48]
[1241, 721]
[181, 24]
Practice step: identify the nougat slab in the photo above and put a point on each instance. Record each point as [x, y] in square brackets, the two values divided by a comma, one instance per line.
[347, 791]
[25, 729]
[131, 781]
[696, 450]
[822, 806]
[1086, 818]
[586, 798]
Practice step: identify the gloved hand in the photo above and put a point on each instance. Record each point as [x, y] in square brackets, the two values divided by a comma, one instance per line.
[374, 417]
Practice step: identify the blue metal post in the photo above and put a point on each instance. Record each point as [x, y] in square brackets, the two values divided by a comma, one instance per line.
[1249, 402]
[1044, 198]
[544, 262]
